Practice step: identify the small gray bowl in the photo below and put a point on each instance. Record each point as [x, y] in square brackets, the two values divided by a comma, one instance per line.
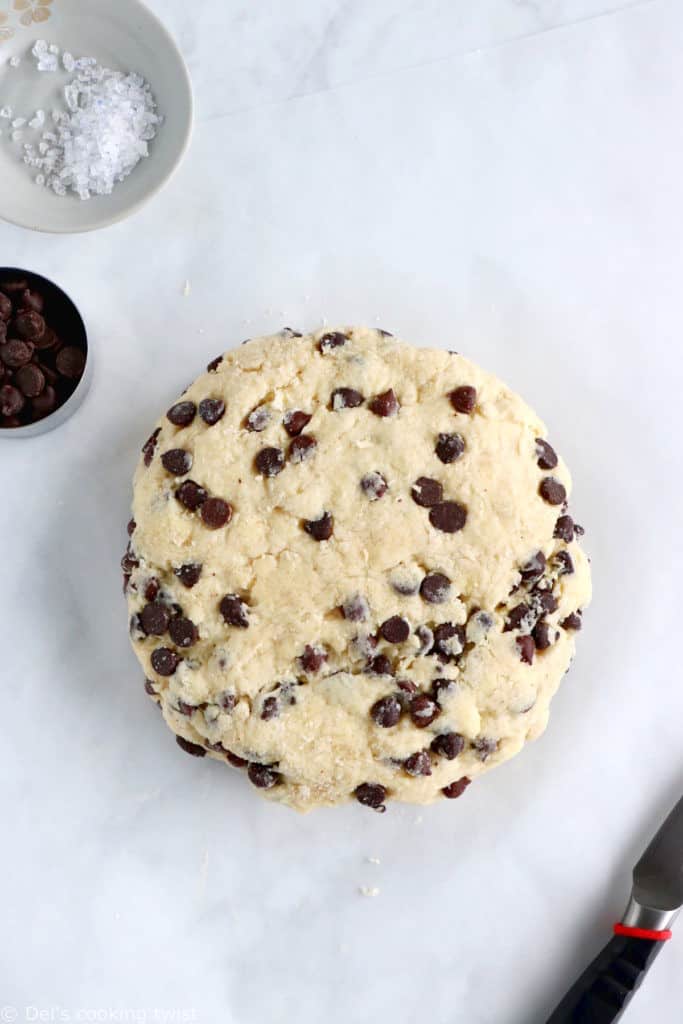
[71, 324]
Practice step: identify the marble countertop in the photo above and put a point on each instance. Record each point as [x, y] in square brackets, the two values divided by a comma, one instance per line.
[502, 177]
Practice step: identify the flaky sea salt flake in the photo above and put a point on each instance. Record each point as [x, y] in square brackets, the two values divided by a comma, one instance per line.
[6, 112]
[14, 62]
[38, 120]
[18, 122]
[68, 62]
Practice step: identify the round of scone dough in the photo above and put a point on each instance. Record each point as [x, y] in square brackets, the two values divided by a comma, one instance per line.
[351, 570]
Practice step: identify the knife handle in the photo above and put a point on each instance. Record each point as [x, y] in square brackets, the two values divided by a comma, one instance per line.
[606, 987]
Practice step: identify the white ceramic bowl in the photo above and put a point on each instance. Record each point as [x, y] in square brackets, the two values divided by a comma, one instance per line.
[121, 34]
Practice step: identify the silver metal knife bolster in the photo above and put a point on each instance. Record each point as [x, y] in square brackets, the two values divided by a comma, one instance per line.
[638, 916]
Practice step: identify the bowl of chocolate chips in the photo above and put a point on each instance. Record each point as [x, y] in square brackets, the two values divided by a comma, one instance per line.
[44, 358]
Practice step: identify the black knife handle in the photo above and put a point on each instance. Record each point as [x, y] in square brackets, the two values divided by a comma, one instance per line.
[605, 988]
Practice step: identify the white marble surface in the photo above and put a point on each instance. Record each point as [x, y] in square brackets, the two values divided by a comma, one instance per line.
[507, 182]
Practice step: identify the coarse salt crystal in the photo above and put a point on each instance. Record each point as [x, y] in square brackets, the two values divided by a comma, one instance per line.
[38, 120]
[5, 112]
[18, 122]
[14, 62]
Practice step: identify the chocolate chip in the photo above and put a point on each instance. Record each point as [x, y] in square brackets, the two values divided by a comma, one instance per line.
[182, 413]
[405, 584]
[370, 794]
[16, 353]
[152, 589]
[191, 495]
[516, 617]
[541, 635]
[177, 461]
[564, 529]
[563, 563]
[189, 573]
[545, 600]
[426, 639]
[295, 420]
[418, 764]
[190, 748]
[385, 334]
[435, 588]
[484, 746]
[5, 308]
[578, 530]
[258, 419]
[457, 788]
[44, 404]
[70, 362]
[14, 286]
[449, 447]
[552, 491]
[47, 340]
[406, 686]
[165, 661]
[534, 568]
[313, 658]
[29, 325]
[423, 710]
[11, 400]
[448, 745]
[235, 761]
[129, 561]
[442, 688]
[449, 641]
[186, 709]
[374, 486]
[331, 341]
[183, 632]
[385, 404]
[150, 688]
[345, 398]
[464, 399]
[379, 666]
[321, 528]
[572, 621]
[214, 364]
[30, 380]
[287, 332]
[526, 647]
[356, 609]
[130, 528]
[426, 492]
[32, 300]
[546, 454]
[211, 410]
[270, 461]
[216, 513]
[154, 619]
[235, 611]
[302, 448]
[448, 516]
[149, 447]
[386, 712]
[263, 777]
[227, 700]
[395, 630]
[270, 709]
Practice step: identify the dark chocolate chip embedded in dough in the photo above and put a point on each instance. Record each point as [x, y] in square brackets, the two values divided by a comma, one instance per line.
[270, 709]
[177, 461]
[150, 688]
[448, 516]
[214, 364]
[532, 570]
[371, 794]
[189, 573]
[564, 529]
[380, 666]
[448, 745]
[386, 712]
[149, 447]
[552, 491]
[270, 461]
[435, 588]
[384, 404]
[321, 528]
[563, 563]
[356, 608]
[374, 486]
[449, 447]
[423, 710]
[313, 658]
[302, 448]
[211, 410]
[516, 617]
[541, 635]
[395, 630]
[526, 648]
[545, 454]
[419, 763]
[262, 776]
[330, 341]
[545, 600]
[235, 611]
[295, 421]
[183, 632]
[165, 661]
[190, 748]
[130, 528]
[216, 513]
[191, 495]
[182, 413]
[457, 788]
[258, 419]
[484, 746]
[154, 619]
[464, 399]
[345, 398]
[572, 621]
[426, 492]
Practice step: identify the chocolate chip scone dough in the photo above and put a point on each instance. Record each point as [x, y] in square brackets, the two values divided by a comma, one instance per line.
[351, 570]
